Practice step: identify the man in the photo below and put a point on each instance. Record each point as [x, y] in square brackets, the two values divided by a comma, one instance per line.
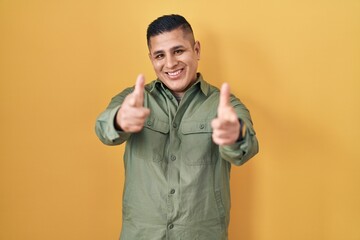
[182, 136]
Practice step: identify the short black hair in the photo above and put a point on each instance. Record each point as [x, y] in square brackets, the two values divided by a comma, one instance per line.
[167, 23]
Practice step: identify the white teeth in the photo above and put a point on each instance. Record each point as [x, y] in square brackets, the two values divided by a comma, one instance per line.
[174, 73]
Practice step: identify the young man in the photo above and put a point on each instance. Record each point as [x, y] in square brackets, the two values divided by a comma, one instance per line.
[182, 136]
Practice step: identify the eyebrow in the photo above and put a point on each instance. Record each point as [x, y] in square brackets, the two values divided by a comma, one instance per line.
[171, 49]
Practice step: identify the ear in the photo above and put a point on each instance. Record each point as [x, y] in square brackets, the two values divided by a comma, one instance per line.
[197, 49]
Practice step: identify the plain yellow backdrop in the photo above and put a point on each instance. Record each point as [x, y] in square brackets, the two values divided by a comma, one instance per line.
[295, 64]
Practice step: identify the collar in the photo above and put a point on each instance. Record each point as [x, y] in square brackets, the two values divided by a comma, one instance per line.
[204, 86]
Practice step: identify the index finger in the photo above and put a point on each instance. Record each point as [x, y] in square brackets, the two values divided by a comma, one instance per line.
[139, 91]
[224, 96]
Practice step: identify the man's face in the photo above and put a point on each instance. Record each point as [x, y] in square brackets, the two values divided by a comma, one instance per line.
[174, 56]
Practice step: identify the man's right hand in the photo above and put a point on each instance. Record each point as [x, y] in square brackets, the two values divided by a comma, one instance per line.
[132, 113]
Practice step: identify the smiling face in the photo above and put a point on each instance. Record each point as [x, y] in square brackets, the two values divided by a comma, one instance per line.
[174, 56]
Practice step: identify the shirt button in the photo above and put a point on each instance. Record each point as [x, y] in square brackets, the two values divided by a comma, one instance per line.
[149, 122]
[202, 126]
[171, 226]
[173, 157]
[172, 191]
[174, 125]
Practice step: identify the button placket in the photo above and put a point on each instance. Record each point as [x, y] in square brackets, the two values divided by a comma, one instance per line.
[173, 161]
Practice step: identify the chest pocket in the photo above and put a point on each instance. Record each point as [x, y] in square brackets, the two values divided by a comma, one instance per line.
[197, 145]
[151, 142]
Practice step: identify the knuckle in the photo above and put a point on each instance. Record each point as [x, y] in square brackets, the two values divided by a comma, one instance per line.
[143, 114]
[138, 128]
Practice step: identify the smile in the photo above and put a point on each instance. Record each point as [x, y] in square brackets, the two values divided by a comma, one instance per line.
[175, 74]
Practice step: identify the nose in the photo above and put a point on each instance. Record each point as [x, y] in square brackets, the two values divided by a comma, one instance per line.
[171, 62]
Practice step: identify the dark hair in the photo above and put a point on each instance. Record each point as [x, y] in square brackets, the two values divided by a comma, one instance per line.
[167, 23]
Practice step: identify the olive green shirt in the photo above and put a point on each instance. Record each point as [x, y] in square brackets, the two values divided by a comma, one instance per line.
[176, 177]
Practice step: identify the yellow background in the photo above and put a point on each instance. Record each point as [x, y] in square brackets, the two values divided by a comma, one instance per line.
[295, 64]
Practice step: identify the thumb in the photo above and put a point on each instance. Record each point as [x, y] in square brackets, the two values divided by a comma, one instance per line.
[138, 94]
[224, 97]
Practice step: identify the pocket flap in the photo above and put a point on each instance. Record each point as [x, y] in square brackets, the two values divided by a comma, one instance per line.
[157, 125]
[196, 127]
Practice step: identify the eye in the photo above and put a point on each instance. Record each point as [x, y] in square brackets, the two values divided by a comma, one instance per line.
[159, 56]
[178, 51]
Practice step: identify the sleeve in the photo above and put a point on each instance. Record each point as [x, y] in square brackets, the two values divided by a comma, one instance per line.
[104, 126]
[241, 151]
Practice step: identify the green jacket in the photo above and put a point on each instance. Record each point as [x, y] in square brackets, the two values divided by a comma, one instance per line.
[176, 177]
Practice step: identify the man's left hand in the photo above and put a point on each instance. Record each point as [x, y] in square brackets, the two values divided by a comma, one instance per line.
[226, 127]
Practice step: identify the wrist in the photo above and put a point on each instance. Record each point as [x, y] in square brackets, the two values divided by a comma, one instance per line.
[241, 131]
[116, 123]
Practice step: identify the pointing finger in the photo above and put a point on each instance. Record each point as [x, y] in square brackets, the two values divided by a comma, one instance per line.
[224, 96]
[138, 94]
